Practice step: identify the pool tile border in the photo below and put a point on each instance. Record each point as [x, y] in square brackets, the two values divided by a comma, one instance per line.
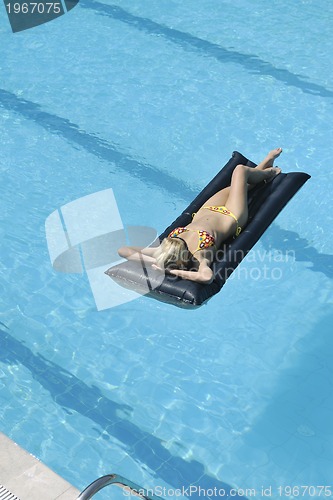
[28, 478]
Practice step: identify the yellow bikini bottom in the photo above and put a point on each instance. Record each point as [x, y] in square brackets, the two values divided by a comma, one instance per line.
[225, 211]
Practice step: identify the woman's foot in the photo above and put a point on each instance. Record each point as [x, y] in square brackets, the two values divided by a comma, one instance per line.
[269, 160]
[272, 172]
[255, 175]
[272, 155]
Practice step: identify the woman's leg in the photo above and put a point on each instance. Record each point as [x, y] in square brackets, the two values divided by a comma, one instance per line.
[241, 177]
[219, 198]
[222, 197]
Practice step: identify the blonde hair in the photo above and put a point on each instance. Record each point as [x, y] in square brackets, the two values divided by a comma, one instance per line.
[173, 253]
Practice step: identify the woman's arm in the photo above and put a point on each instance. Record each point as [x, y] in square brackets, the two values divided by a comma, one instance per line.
[138, 253]
[203, 275]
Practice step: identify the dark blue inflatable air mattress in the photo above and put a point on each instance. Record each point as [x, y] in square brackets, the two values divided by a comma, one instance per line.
[266, 200]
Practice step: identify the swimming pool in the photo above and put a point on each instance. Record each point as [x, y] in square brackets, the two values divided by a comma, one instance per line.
[150, 100]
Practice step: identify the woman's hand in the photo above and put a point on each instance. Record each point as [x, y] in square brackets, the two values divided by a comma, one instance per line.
[204, 276]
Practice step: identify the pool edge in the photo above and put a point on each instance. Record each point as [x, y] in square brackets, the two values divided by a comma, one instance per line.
[28, 478]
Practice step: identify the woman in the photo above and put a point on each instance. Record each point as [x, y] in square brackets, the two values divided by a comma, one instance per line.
[188, 252]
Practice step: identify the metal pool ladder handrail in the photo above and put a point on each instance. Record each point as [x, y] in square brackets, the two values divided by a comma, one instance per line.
[116, 480]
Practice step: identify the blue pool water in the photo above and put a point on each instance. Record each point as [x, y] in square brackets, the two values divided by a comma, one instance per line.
[150, 99]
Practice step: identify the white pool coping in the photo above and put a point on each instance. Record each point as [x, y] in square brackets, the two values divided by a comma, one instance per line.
[28, 478]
